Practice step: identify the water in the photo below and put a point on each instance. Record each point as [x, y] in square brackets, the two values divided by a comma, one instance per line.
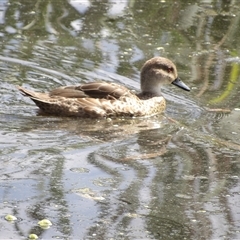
[173, 176]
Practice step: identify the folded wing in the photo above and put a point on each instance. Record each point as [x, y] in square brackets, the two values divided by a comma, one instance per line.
[91, 90]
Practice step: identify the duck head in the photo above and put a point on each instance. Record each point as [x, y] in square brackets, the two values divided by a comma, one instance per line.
[159, 71]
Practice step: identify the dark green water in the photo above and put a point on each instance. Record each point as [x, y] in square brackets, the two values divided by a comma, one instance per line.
[173, 176]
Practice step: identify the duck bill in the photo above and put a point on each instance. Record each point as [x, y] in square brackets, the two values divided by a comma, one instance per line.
[177, 82]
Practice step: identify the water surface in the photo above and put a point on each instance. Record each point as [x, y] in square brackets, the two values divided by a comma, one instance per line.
[172, 176]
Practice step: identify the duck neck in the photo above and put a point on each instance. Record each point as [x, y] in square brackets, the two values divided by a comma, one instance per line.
[149, 94]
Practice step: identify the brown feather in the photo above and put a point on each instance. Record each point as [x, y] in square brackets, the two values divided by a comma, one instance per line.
[92, 90]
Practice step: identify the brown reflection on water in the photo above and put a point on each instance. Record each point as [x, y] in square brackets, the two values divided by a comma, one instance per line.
[211, 174]
[124, 214]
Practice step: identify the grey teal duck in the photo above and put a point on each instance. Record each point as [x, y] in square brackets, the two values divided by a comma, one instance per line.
[102, 99]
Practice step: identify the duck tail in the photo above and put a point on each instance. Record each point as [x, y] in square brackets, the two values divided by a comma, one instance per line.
[40, 99]
[26, 92]
[32, 94]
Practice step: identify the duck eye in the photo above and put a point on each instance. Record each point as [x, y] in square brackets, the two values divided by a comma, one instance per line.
[170, 69]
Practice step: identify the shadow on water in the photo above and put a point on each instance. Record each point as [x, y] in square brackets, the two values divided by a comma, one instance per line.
[172, 176]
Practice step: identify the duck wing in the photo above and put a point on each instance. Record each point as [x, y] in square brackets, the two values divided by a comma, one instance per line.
[87, 100]
[91, 90]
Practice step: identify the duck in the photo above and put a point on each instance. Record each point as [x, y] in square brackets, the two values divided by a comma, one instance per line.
[104, 99]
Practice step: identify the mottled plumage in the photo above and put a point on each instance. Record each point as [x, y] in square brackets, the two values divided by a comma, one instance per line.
[101, 99]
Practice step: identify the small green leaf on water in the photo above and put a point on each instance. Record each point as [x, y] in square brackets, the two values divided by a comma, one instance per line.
[45, 223]
[10, 218]
[33, 236]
